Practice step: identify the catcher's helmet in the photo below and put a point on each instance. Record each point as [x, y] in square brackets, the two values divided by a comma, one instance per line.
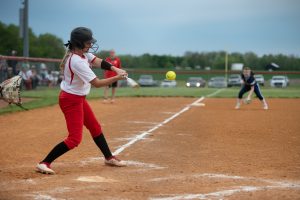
[80, 35]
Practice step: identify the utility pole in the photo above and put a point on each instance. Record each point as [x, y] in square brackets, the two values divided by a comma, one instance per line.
[226, 65]
[25, 30]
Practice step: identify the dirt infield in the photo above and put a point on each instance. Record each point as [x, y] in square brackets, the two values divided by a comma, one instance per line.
[176, 148]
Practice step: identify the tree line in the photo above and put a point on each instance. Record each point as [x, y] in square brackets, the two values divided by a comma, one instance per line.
[213, 60]
[50, 46]
[44, 45]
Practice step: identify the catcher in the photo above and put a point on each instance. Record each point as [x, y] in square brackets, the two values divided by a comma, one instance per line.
[78, 78]
[250, 84]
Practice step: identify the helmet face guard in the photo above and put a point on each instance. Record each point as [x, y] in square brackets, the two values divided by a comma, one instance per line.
[94, 47]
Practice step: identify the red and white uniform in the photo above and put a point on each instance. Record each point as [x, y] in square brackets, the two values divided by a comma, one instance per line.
[75, 86]
[115, 62]
[78, 74]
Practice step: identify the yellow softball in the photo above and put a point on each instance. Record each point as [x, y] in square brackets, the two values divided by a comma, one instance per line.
[170, 75]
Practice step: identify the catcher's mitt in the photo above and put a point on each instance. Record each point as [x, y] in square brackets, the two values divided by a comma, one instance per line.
[10, 91]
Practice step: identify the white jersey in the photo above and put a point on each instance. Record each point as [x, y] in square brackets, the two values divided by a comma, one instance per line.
[26, 75]
[78, 74]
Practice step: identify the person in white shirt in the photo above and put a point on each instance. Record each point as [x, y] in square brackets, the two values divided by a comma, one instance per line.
[76, 84]
[26, 75]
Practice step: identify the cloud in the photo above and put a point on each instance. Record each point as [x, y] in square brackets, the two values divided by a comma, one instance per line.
[169, 26]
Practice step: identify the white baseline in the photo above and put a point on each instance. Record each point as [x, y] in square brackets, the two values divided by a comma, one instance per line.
[146, 133]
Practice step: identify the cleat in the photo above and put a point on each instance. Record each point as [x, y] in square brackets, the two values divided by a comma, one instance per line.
[265, 107]
[114, 161]
[238, 106]
[44, 168]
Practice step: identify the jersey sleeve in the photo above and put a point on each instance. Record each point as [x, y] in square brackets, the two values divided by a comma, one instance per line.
[84, 72]
[91, 57]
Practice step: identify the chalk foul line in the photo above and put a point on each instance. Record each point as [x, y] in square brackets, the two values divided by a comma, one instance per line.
[228, 192]
[214, 93]
[148, 132]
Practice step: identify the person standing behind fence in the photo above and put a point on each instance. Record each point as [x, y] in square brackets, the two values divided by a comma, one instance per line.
[26, 75]
[3, 70]
[13, 63]
[34, 77]
[44, 74]
[115, 61]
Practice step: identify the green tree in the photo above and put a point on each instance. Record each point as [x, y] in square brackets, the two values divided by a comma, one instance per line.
[219, 60]
[45, 45]
[9, 39]
[252, 61]
[49, 45]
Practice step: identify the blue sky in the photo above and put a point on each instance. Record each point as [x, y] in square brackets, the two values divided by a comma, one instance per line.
[170, 27]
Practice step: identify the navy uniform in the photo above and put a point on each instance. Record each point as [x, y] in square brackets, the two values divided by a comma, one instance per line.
[248, 82]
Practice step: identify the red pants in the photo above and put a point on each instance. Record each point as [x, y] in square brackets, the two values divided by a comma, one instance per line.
[77, 113]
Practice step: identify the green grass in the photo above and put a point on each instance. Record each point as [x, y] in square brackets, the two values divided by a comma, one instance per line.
[164, 92]
[43, 97]
[39, 98]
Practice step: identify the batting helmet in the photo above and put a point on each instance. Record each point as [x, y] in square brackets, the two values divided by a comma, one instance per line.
[79, 36]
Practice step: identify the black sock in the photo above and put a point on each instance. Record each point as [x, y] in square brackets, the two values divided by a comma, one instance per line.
[57, 151]
[102, 144]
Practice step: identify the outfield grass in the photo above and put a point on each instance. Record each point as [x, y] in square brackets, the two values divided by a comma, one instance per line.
[46, 97]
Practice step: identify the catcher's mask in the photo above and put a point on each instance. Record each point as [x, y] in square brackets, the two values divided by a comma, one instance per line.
[81, 35]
